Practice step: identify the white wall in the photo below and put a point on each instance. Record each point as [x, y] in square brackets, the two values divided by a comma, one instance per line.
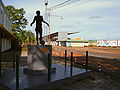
[4, 18]
[108, 43]
[76, 44]
[62, 36]
[6, 44]
[118, 42]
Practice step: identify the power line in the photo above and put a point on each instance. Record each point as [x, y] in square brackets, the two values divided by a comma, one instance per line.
[66, 3]
[81, 3]
[61, 4]
[78, 4]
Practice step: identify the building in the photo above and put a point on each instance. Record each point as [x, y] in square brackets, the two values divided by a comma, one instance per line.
[77, 43]
[109, 43]
[61, 39]
[7, 40]
[5, 29]
[58, 38]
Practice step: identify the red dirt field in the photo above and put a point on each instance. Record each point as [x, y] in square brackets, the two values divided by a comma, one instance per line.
[108, 58]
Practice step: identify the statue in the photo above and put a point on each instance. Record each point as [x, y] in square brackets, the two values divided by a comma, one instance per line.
[39, 19]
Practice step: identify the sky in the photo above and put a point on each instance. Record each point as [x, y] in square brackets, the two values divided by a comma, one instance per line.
[93, 19]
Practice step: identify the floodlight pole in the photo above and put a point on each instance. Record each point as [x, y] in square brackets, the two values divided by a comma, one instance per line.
[47, 12]
[49, 39]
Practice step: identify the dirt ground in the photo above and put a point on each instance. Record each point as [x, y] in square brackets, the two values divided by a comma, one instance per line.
[108, 58]
[97, 81]
[106, 52]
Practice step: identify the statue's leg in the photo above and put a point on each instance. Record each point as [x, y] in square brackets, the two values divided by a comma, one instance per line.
[40, 36]
[37, 37]
[40, 32]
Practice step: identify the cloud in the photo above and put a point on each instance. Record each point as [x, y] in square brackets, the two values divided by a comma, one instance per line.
[67, 26]
[100, 4]
[78, 22]
[95, 17]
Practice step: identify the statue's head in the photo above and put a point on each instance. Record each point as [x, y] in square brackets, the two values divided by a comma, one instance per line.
[38, 12]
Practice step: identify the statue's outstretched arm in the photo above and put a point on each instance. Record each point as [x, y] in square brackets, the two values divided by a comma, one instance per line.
[33, 22]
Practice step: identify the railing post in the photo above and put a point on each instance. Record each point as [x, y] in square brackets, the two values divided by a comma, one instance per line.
[49, 67]
[0, 53]
[71, 68]
[86, 61]
[14, 58]
[17, 72]
[65, 58]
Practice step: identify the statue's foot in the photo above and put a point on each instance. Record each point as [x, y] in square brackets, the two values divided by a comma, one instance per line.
[42, 42]
[37, 43]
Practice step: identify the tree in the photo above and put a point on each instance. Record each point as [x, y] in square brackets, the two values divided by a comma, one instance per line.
[30, 37]
[19, 22]
[26, 37]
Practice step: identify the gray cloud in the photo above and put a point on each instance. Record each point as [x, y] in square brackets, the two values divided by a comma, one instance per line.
[67, 26]
[95, 17]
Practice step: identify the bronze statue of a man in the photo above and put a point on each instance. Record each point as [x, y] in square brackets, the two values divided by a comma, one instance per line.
[39, 19]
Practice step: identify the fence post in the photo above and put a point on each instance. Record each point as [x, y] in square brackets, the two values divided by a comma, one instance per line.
[65, 58]
[14, 58]
[0, 53]
[71, 68]
[86, 61]
[17, 72]
[49, 67]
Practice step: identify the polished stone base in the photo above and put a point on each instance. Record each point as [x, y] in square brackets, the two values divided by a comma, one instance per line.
[38, 72]
[40, 82]
[37, 58]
